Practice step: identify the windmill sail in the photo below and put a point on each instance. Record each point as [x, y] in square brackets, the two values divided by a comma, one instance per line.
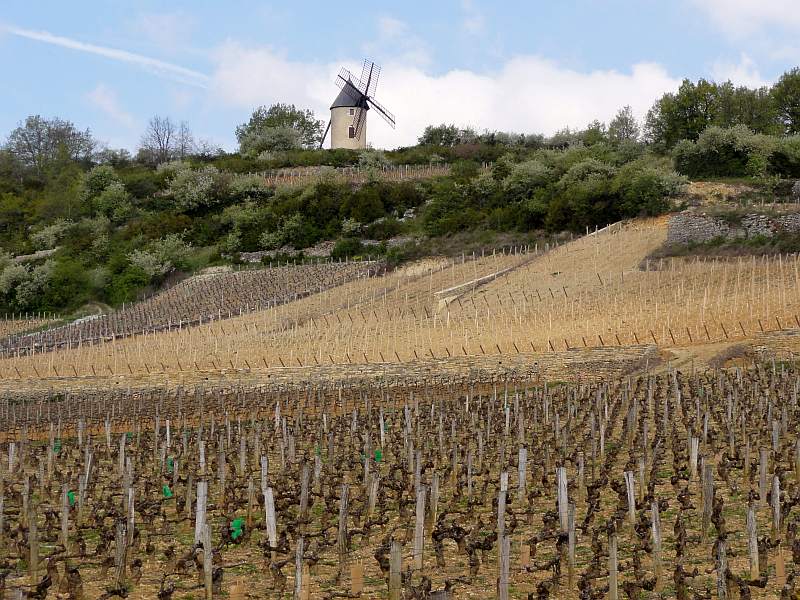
[387, 116]
[358, 122]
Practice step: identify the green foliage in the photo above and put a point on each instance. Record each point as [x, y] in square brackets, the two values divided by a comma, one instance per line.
[161, 256]
[624, 127]
[48, 236]
[646, 189]
[685, 114]
[39, 144]
[97, 180]
[738, 152]
[113, 202]
[526, 177]
[786, 96]
[277, 128]
[373, 159]
[126, 286]
[346, 248]
[193, 189]
[122, 226]
[446, 135]
[464, 170]
[68, 287]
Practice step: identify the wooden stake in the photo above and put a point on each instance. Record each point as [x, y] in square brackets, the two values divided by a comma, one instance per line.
[395, 569]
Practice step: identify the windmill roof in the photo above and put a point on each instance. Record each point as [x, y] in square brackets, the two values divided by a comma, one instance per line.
[344, 99]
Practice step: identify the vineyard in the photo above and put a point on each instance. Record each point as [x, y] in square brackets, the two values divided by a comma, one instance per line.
[598, 291]
[16, 324]
[526, 422]
[356, 175]
[202, 298]
[681, 484]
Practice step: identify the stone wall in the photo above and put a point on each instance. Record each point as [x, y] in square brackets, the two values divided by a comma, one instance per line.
[690, 226]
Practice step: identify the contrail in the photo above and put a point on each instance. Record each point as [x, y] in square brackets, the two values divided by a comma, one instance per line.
[160, 67]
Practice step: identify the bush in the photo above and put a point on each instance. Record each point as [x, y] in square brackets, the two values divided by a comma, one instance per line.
[347, 247]
[645, 189]
[161, 257]
[68, 286]
[734, 152]
[49, 236]
[96, 180]
[192, 189]
[113, 202]
[126, 286]
[524, 178]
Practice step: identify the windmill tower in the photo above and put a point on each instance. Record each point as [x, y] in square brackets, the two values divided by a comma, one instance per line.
[348, 123]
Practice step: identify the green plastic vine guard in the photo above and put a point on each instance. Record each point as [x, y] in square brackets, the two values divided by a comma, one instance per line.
[166, 491]
[71, 498]
[236, 528]
[378, 455]
[57, 446]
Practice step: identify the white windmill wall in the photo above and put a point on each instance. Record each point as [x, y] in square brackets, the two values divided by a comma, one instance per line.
[341, 121]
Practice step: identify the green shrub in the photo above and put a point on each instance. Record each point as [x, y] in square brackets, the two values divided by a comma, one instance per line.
[347, 248]
[68, 287]
[126, 286]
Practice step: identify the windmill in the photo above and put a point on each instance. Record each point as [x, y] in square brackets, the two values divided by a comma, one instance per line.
[348, 123]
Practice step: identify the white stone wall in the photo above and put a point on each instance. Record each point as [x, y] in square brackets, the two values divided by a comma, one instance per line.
[696, 227]
[341, 121]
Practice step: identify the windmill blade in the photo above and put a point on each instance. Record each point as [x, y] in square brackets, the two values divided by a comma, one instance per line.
[370, 73]
[346, 77]
[373, 80]
[365, 71]
[387, 116]
[324, 135]
[358, 121]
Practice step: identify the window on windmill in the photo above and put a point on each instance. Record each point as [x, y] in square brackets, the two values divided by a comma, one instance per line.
[352, 111]
[351, 131]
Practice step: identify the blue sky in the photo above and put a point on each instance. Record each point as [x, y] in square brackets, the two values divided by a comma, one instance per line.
[532, 66]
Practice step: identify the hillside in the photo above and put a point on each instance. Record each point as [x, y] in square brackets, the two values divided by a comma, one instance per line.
[599, 292]
[209, 297]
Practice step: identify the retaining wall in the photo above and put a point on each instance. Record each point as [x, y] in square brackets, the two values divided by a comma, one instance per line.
[690, 226]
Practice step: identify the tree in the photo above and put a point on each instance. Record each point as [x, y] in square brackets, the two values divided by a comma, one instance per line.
[184, 141]
[786, 94]
[11, 172]
[446, 135]
[206, 149]
[38, 143]
[114, 157]
[158, 142]
[684, 115]
[623, 126]
[271, 139]
[279, 127]
[595, 133]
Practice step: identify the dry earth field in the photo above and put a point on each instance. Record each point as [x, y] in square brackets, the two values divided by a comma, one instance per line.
[378, 416]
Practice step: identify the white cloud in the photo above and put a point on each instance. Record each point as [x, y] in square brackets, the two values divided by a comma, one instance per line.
[745, 72]
[105, 99]
[528, 94]
[154, 65]
[473, 21]
[741, 18]
[169, 31]
[396, 39]
[248, 77]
